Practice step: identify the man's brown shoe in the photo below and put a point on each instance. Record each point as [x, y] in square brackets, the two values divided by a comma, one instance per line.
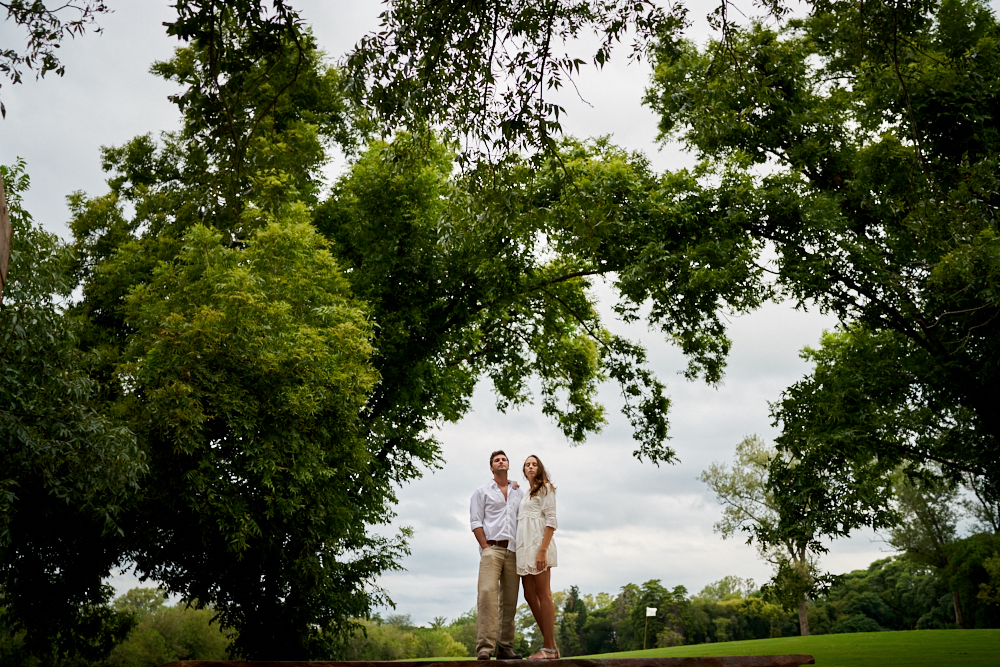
[507, 654]
[483, 655]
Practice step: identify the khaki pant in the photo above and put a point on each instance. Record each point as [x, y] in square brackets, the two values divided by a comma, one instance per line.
[497, 593]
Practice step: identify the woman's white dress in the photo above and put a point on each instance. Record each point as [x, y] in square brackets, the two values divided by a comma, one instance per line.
[533, 515]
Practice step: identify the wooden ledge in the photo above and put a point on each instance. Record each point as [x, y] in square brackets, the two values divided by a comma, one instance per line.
[706, 661]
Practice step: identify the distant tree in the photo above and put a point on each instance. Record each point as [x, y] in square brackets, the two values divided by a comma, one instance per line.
[748, 618]
[571, 624]
[729, 587]
[896, 593]
[166, 634]
[600, 634]
[666, 628]
[928, 524]
[751, 508]
[463, 629]
[984, 505]
[398, 639]
[989, 592]
[968, 570]
[140, 602]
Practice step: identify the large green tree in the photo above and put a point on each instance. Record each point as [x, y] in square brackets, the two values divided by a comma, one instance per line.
[229, 340]
[464, 285]
[225, 335]
[244, 379]
[855, 142]
[860, 143]
[461, 282]
[68, 466]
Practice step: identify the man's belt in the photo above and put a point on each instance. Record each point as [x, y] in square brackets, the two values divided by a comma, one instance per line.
[497, 543]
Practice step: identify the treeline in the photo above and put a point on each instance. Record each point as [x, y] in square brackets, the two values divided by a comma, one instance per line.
[894, 593]
[396, 638]
[155, 633]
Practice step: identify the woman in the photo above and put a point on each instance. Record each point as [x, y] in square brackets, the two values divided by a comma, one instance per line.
[536, 552]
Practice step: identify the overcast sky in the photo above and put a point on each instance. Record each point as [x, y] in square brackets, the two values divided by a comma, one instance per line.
[620, 521]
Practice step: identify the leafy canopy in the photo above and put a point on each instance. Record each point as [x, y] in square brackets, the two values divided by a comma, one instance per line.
[860, 143]
[69, 466]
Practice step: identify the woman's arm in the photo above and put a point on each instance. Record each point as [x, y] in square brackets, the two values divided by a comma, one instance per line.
[540, 557]
[549, 512]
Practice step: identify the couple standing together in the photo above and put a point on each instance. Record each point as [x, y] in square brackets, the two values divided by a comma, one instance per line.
[514, 529]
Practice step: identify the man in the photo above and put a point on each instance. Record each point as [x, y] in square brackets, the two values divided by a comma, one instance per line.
[493, 516]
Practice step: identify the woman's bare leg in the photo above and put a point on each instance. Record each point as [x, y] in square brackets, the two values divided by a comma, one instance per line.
[548, 611]
[530, 596]
[538, 593]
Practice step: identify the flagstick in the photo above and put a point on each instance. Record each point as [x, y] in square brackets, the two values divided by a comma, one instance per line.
[650, 611]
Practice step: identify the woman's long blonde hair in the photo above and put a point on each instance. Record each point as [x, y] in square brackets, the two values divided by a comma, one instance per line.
[541, 481]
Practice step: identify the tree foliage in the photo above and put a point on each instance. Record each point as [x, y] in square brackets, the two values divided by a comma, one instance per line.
[45, 27]
[245, 376]
[396, 638]
[281, 357]
[69, 467]
[463, 286]
[751, 507]
[486, 70]
[860, 143]
[227, 337]
[165, 633]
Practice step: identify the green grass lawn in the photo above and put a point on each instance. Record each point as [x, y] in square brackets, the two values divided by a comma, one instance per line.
[916, 648]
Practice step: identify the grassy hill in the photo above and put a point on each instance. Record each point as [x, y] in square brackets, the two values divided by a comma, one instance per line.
[917, 648]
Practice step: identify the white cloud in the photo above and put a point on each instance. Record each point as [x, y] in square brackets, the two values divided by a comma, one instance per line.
[620, 521]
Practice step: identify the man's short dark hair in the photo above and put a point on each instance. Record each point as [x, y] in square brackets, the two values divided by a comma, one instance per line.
[493, 455]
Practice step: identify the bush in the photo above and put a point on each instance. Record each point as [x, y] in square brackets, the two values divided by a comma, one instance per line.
[397, 639]
[463, 630]
[859, 623]
[166, 634]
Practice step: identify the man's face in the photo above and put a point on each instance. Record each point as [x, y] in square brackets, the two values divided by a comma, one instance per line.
[499, 463]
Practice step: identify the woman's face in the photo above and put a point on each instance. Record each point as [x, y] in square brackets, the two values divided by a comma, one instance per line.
[530, 468]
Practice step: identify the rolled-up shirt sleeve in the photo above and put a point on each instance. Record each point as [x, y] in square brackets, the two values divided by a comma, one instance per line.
[549, 509]
[477, 510]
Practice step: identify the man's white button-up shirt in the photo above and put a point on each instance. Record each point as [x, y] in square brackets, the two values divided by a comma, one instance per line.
[496, 515]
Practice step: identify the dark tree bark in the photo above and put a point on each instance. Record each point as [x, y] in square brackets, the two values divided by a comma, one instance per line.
[6, 238]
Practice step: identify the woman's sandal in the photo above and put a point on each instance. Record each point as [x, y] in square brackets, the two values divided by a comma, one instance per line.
[545, 654]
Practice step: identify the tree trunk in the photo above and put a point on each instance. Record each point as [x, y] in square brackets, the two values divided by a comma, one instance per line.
[803, 617]
[957, 602]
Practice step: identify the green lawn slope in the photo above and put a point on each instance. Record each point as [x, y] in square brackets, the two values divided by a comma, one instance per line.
[916, 648]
